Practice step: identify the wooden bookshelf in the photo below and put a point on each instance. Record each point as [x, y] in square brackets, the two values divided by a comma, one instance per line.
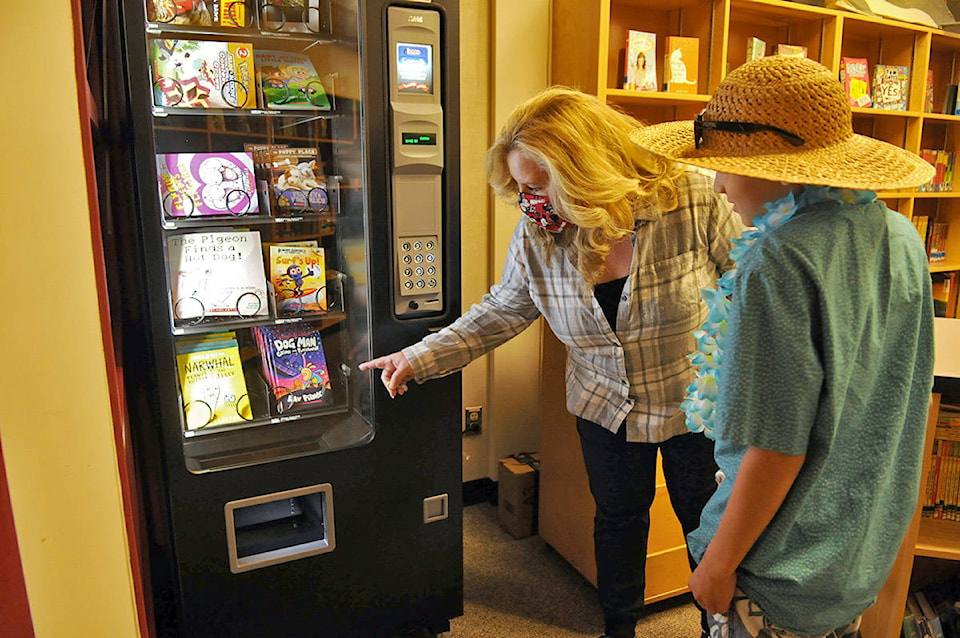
[587, 38]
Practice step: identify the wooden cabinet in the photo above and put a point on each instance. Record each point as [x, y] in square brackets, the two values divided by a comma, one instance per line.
[566, 506]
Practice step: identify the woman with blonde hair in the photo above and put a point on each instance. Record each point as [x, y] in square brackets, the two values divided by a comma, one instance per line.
[612, 250]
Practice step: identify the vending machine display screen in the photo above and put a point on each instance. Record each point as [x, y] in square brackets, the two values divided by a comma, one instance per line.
[415, 68]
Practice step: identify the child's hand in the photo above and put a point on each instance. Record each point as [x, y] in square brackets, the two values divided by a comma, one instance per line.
[396, 372]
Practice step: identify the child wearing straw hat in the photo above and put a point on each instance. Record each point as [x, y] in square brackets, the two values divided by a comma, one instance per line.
[816, 362]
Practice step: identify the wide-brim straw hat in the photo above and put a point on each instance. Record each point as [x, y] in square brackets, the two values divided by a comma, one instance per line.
[801, 98]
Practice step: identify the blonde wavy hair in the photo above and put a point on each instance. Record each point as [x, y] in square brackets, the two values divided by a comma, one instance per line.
[599, 179]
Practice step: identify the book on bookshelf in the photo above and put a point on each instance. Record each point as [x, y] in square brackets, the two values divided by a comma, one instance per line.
[855, 75]
[202, 184]
[293, 16]
[681, 64]
[928, 93]
[289, 81]
[212, 385]
[756, 49]
[640, 68]
[890, 87]
[910, 628]
[202, 13]
[792, 50]
[299, 279]
[294, 366]
[216, 274]
[202, 74]
[930, 616]
[936, 241]
[950, 100]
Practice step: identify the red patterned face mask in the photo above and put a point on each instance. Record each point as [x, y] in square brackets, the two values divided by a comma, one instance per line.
[539, 209]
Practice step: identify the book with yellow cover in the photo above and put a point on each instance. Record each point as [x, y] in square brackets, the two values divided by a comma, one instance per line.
[212, 385]
[681, 62]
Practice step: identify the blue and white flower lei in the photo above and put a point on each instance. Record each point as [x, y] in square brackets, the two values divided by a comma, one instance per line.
[699, 403]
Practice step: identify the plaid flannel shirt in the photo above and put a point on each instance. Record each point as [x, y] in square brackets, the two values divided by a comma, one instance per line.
[638, 374]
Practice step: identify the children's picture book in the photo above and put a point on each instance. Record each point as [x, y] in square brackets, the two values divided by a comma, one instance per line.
[641, 61]
[756, 49]
[681, 61]
[212, 385]
[216, 274]
[890, 88]
[855, 75]
[205, 13]
[299, 279]
[202, 74]
[792, 50]
[294, 16]
[294, 366]
[202, 184]
[290, 81]
[295, 177]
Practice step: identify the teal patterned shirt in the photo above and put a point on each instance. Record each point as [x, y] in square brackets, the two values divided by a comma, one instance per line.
[829, 355]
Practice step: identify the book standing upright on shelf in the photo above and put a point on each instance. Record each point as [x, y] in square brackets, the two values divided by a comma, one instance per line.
[681, 64]
[756, 49]
[855, 75]
[212, 385]
[203, 184]
[289, 81]
[202, 74]
[640, 68]
[299, 278]
[890, 87]
[216, 274]
[202, 13]
[294, 366]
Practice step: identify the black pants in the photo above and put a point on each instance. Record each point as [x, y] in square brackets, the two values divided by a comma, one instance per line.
[623, 483]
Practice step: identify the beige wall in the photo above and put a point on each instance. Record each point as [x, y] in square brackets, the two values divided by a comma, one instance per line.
[56, 424]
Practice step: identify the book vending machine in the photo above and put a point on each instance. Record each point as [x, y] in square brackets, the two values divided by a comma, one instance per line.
[278, 184]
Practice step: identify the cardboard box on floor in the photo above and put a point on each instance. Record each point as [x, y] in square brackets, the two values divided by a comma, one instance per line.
[517, 494]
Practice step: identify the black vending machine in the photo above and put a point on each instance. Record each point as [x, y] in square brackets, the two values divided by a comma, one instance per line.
[279, 189]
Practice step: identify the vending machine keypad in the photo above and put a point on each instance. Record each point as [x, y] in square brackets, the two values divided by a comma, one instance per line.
[419, 263]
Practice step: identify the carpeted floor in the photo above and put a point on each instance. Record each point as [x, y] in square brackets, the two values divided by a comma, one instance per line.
[523, 588]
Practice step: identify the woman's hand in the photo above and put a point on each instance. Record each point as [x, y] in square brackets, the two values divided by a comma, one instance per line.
[396, 372]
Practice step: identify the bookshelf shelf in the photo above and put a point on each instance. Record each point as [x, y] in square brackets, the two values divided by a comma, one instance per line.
[588, 36]
[938, 539]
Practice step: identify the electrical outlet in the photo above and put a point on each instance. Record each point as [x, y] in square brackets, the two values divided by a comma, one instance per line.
[473, 420]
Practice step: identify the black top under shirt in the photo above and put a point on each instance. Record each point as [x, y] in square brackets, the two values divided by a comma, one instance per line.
[608, 296]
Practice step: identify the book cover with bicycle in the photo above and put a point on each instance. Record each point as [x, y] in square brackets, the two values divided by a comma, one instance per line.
[290, 81]
[216, 274]
[202, 74]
